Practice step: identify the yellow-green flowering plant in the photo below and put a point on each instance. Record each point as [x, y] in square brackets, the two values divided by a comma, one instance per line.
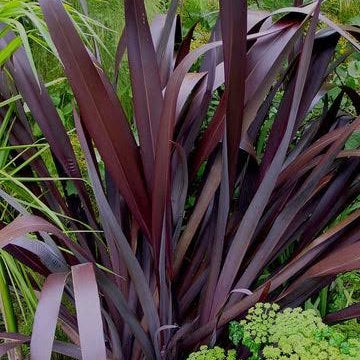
[292, 334]
[216, 353]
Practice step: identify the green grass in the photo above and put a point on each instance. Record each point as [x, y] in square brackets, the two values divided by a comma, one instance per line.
[344, 11]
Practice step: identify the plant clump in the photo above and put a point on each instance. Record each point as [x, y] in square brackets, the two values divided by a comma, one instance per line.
[293, 334]
[216, 353]
[223, 163]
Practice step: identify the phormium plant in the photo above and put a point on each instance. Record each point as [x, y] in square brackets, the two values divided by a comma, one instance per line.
[159, 274]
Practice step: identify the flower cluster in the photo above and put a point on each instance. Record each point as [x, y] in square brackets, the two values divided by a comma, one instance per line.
[216, 353]
[254, 331]
[292, 334]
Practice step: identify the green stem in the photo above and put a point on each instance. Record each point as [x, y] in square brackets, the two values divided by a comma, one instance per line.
[7, 308]
[323, 301]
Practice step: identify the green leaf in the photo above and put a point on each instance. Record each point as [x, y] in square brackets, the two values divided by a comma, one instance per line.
[353, 142]
[6, 53]
[355, 20]
[354, 69]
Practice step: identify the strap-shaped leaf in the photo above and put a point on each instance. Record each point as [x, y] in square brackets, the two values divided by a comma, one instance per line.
[115, 234]
[26, 224]
[39, 101]
[70, 350]
[145, 79]
[207, 194]
[46, 317]
[233, 24]
[350, 312]
[101, 112]
[253, 214]
[88, 312]
[166, 42]
[162, 157]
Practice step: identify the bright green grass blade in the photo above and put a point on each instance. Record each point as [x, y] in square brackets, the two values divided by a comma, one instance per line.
[5, 129]
[19, 282]
[6, 301]
[7, 51]
[25, 42]
[25, 163]
[5, 123]
[37, 202]
[41, 27]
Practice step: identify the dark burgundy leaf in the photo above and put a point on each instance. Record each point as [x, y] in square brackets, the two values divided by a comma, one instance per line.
[350, 312]
[233, 25]
[146, 85]
[101, 112]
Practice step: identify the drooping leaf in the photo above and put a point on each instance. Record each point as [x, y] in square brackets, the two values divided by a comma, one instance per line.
[45, 321]
[88, 312]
